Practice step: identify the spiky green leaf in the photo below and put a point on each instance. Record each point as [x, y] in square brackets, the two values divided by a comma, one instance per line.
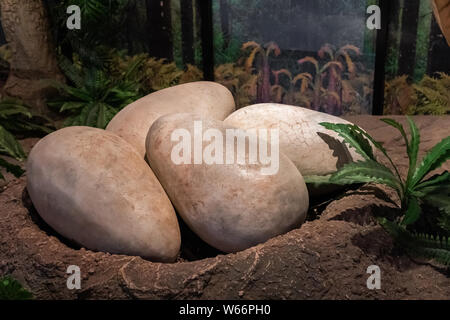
[15, 117]
[413, 148]
[399, 127]
[318, 180]
[71, 105]
[412, 213]
[426, 246]
[70, 71]
[13, 107]
[353, 137]
[11, 289]
[101, 117]
[10, 146]
[440, 201]
[439, 154]
[325, 180]
[17, 171]
[434, 183]
[366, 172]
[379, 146]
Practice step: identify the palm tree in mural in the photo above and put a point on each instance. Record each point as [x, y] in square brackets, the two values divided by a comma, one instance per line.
[331, 70]
[259, 55]
[278, 91]
[317, 82]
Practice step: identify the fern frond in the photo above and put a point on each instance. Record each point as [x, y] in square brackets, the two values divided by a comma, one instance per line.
[380, 147]
[352, 136]
[366, 172]
[71, 72]
[434, 183]
[413, 211]
[10, 146]
[326, 180]
[421, 245]
[399, 127]
[17, 171]
[412, 150]
[11, 289]
[13, 107]
[439, 154]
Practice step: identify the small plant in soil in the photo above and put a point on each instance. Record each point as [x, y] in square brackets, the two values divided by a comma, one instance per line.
[11, 289]
[93, 99]
[17, 118]
[415, 191]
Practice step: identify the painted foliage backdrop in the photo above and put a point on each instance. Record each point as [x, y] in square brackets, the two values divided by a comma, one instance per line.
[317, 54]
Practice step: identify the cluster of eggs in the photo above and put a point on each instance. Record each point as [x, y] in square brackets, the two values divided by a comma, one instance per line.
[117, 190]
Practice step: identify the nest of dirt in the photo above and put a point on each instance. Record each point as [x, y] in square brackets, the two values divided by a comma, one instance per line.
[327, 258]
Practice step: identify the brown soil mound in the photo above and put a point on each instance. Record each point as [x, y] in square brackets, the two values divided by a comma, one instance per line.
[326, 258]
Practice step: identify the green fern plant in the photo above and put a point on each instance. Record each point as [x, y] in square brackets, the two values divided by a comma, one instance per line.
[10, 146]
[415, 189]
[94, 98]
[17, 117]
[150, 74]
[421, 245]
[433, 95]
[430, 96]
[243, 84]
[98, 18]
[11, 289]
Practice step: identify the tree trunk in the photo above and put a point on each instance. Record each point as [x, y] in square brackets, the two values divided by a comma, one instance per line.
[225, 23]
[407, 53]
[263, 94]
[160, 29]
[394, 31]
[438, 52]
[333, 105]
[135, 24]
[316, 98]
[394, 19]
[27, 31]
[187, 31]
[207, 39]
[198, 32]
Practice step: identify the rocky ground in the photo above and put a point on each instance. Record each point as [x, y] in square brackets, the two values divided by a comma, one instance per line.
[326, 258]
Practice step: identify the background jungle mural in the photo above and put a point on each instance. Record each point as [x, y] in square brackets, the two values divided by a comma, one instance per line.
[418, 64]
[316, 54]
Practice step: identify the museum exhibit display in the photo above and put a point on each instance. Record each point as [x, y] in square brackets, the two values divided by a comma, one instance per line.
[224, 150]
